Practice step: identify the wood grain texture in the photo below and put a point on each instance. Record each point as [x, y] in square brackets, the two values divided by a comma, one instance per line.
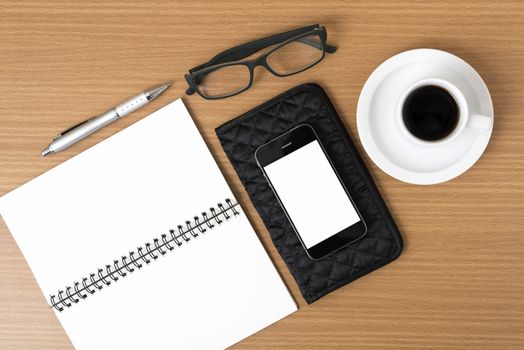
[459, 283]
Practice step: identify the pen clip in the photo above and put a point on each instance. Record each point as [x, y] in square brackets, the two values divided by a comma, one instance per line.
[71, 128]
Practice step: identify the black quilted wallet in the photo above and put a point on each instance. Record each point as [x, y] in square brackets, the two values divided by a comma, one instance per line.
[309, 104]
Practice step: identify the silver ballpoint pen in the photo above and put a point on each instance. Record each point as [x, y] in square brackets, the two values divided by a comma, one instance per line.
[89, 126]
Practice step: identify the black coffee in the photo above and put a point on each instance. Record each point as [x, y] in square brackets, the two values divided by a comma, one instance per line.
[430, 113]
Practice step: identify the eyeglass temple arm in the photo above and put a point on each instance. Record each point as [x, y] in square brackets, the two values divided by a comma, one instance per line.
[317, 45]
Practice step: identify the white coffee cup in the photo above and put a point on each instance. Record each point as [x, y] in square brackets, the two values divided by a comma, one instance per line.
[466, 119]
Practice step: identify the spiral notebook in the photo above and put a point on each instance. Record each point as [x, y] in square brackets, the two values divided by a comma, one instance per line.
[138, 243]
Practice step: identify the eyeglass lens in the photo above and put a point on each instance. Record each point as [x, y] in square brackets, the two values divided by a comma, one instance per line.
[296, 55]
[224, 81]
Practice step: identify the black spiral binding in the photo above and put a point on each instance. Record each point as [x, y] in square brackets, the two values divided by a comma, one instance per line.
[143, 255]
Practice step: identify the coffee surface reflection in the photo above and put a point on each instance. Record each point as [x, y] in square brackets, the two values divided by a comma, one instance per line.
[430, 113]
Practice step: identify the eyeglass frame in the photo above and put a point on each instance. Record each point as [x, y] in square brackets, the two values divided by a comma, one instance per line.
[234, 56]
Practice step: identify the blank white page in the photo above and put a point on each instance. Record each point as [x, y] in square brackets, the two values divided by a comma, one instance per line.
[125, 191]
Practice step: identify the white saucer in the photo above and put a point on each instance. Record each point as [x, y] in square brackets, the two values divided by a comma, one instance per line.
[389, 148]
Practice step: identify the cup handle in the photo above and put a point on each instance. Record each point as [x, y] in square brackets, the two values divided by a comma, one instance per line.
[479, 121]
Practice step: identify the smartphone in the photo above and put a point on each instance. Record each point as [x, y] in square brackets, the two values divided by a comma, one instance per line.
[310, 192]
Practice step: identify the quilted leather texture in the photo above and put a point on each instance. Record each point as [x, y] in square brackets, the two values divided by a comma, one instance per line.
[308, 104]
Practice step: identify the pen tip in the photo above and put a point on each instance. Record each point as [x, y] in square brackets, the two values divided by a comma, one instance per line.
[154, 92]
[46, 152]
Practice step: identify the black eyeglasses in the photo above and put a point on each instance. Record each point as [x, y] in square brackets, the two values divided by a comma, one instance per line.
[225, 75]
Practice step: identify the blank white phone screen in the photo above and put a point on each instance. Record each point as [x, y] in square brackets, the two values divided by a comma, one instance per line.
[311, 193]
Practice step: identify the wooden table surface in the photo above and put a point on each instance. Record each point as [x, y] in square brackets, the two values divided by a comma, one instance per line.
[459, 282]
